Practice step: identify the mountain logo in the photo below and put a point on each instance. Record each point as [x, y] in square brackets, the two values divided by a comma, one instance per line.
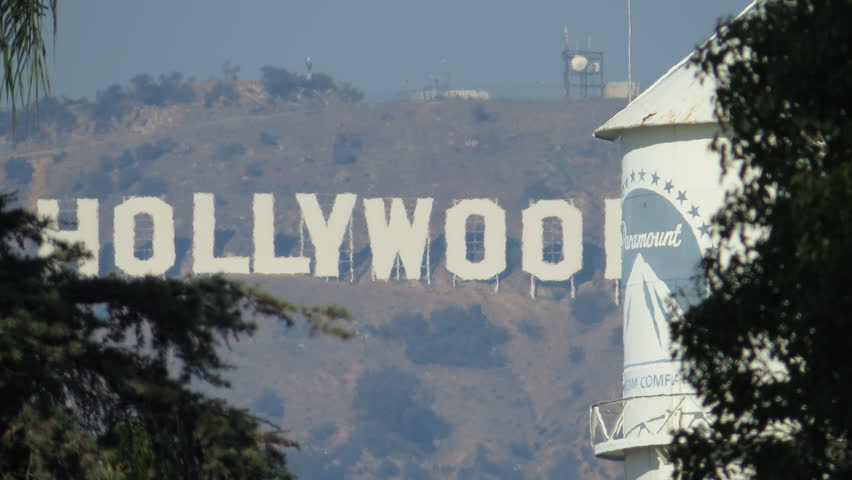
[662, 238]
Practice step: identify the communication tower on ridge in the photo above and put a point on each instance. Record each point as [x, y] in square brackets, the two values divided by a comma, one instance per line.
[583, 69]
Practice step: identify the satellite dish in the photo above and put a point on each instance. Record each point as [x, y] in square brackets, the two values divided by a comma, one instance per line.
[579, 63]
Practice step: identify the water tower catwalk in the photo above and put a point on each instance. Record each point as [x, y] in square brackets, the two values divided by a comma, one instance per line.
[671, 186]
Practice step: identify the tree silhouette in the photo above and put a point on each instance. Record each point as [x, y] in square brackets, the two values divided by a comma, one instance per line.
[767, 349]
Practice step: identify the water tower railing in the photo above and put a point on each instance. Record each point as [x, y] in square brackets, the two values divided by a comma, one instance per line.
[607, 426]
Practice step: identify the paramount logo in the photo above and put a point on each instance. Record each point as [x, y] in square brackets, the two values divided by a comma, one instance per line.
[667, 238]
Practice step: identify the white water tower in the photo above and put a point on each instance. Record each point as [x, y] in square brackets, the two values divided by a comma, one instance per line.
[671, 186]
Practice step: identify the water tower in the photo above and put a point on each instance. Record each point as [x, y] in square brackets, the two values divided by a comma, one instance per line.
[583, 69]
[671, 186]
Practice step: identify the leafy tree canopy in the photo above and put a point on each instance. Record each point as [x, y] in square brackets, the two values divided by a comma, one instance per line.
[768, 348]
[95, 372]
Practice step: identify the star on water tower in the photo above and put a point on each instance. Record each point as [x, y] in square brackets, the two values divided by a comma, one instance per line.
[671, 186]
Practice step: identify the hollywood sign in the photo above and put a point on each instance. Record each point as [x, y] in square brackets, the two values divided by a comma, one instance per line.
[394, 237]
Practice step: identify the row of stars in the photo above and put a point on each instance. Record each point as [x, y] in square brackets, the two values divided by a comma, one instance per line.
[668, 187]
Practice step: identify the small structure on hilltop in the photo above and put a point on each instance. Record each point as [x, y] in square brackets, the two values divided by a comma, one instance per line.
[621, 89]
[435, 94]
[583, 74]
[583, 69]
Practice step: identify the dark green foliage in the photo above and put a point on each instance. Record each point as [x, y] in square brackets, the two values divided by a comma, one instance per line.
[148, 152]
[616, 338]
[106, 262]
[594, 261]
[531, 329]
[350, 94]
[106, 163]
[153, 187]
[437, 249]
[98, 375]
[115, 102]
[318, 466]
[254, 170]
[319, 82]
[127, 177]
[230, 150]
[347, 148]
[513, 256]
[481, 115]
[94, 185]
[361, 262]
[395, 413]
[388, 469]
[539, 190]
[576, 354]
[268, 139]
[230, 72]
[323, 432]
[451, 337]
[52, 115]
[67, 220]
[568, 467]
[248, 187]
[110, 104]
[783, 98]
[521, 450]
[125, 160]
[107, 257]
[270, 405]
[222, 94]
[285, 85]
[416, 472]
[285, 244]
[169, 90]
[220, 239]
[280, 83]
[19, 170]
[182, 245]
[485, 468]
[591, 307]
[577, 388]
[16, 132]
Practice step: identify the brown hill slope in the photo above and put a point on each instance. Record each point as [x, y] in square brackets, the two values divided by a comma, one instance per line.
[443, 380]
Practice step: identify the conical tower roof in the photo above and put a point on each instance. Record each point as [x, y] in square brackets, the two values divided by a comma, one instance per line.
[676, 98]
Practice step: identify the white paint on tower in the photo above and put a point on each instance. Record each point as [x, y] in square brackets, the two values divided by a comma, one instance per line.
[671, 186]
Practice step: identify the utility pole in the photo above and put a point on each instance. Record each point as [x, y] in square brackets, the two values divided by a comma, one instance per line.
[629, 54]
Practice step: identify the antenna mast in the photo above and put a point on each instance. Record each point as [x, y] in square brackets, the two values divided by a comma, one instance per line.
[629, 54]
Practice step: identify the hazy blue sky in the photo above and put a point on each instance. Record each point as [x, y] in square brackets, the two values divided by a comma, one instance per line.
[381, 46]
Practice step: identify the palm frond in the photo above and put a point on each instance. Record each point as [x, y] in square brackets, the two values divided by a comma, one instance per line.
[22, 45]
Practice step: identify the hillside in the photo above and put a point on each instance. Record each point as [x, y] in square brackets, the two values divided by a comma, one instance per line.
[445, 379]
